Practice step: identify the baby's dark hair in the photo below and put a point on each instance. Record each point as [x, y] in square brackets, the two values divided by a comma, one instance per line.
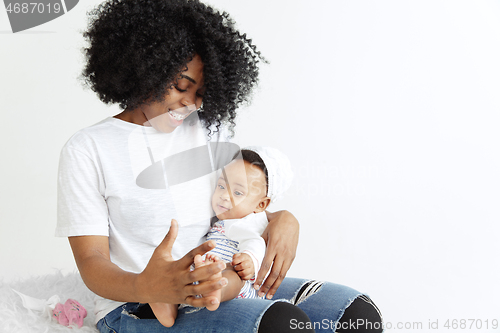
[138, 47]
[253, 158]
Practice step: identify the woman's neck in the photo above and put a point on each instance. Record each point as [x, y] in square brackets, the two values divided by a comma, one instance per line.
[132, 116]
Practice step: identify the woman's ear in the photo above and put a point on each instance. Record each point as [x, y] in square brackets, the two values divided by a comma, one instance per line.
[262, 205]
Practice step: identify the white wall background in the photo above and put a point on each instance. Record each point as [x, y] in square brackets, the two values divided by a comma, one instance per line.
[388, 110]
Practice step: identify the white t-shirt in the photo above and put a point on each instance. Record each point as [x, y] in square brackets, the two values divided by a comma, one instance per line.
[111, 182]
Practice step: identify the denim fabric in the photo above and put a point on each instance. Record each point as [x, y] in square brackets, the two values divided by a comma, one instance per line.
[325, 306]
[238, 315]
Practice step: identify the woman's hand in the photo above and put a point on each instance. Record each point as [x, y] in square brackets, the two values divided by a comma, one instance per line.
[163, 279]
[168, 281]
[282, 237]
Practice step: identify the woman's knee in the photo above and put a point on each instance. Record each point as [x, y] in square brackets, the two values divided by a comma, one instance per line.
[361, 316]
[284, 317]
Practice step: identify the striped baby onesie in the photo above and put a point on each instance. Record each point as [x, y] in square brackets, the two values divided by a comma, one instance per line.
[241, 235]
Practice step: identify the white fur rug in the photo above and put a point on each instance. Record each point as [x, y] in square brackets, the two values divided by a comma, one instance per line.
[14, 317]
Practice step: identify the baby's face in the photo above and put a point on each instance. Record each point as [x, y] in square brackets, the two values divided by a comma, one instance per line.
[247, 184]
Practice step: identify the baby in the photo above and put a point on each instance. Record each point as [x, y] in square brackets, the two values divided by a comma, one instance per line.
[255, 178]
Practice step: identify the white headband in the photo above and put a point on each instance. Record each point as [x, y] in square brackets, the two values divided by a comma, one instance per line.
[279, 170]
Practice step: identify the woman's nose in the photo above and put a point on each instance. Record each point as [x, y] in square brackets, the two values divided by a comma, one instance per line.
[192, 99]
[187, 101]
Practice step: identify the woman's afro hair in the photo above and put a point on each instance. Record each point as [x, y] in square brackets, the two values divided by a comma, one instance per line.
[138, 47]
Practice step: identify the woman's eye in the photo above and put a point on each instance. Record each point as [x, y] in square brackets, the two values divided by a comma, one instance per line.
[238, 193]
[179, 89]
[221, 187]
[199, 95]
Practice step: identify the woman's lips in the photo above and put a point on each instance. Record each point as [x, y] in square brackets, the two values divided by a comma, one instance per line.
[182, 113]
[177, 116]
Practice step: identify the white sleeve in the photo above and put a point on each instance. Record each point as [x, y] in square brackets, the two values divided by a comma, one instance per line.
[81, 207]
[247, 232]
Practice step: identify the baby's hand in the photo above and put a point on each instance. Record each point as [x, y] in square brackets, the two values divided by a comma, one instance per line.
[243, 265]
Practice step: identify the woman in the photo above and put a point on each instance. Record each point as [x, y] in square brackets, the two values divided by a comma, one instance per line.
[160, 60]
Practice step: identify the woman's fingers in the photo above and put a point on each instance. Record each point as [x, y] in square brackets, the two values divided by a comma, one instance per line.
[282, 239]
[274, 279]
[165, 247]
[205, 287]
[267, 262]
[271, 278]
[169, 281]
[188, 259]
[206, 272]
[280, 265]
[201, 302]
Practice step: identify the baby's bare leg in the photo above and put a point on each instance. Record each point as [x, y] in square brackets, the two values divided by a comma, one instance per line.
[234, 285]
[165, 313]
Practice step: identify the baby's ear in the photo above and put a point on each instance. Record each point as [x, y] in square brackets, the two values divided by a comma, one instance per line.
[262, 205]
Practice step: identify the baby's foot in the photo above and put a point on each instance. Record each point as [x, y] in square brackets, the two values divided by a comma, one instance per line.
[198, 262]
[165, 313]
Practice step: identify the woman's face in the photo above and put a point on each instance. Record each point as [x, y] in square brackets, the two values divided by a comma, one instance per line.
[182, 99]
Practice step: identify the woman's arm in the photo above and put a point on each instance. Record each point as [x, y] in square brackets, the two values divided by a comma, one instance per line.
[163, 279]
[99, 273]
[282, 237]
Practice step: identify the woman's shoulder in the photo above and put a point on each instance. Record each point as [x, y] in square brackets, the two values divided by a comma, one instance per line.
[106, 130]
